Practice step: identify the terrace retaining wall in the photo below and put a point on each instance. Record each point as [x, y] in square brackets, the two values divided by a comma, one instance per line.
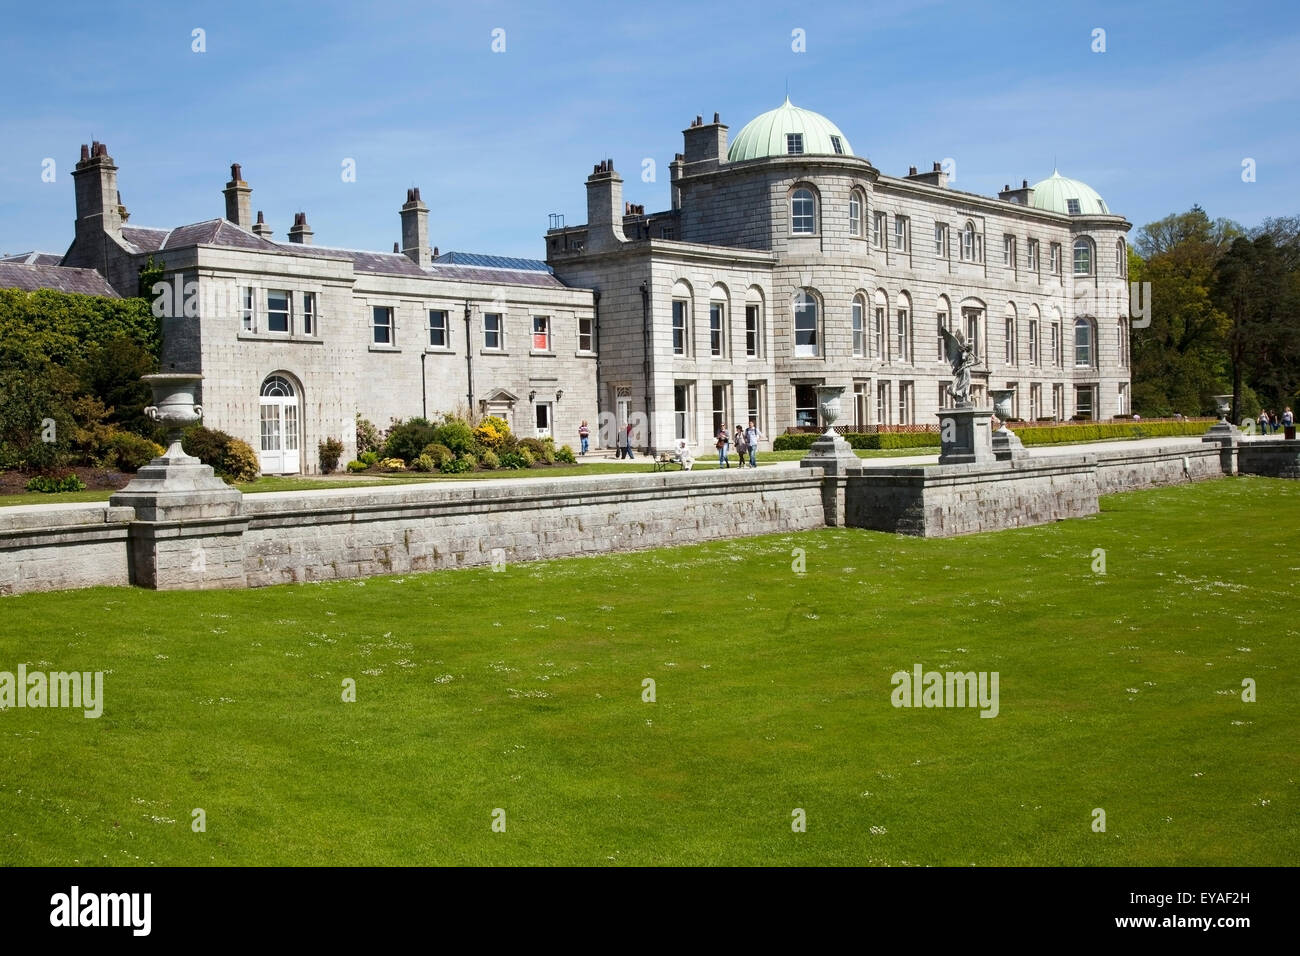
[356, 532]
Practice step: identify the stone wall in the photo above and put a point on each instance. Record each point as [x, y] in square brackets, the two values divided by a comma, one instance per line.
[355, 532]
[308, 536]
[944, 500]
[58, 547]
[1276, 458]
[1124, 468]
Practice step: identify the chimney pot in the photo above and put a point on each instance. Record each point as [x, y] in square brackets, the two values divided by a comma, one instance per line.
[1024, 184]
[85, 152]
[937, 168]
[235, 173]
[435, 252]
[396, 249]
[717, 118]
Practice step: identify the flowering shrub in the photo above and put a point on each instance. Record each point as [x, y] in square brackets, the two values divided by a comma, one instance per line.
[492, 432]
[393, 464]
[330, 451]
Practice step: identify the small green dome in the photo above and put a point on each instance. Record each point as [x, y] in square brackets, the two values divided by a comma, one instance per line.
[1056, 193]
[788, 131]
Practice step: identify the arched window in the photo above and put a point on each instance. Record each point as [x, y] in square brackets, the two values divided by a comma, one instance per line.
[803, 212]
[859, 326]
[879, 322]
[942, 312]
[1121, 259]
[1123, 342]
[857, 204]
[805, 324]
[1084, 342]
[1083, 256]
[968, 242]
[277, 386]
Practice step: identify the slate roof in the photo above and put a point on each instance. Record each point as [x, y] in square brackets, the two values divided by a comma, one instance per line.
[495, 276]
[384, 263]
[34, 258]
[491, 262]
[29, 278]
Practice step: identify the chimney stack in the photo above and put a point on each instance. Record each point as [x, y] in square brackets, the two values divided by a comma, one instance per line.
[99, 205]
[239, 203]
[706, 142]
[300, 232]
[604, 208]
[415, 229]
[934, 177]
[1024, 196]
[260, 227]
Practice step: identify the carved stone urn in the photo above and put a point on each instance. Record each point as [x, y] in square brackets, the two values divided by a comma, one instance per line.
[828, 402]
[1224, 405]
[1002, 402]
[175, 407]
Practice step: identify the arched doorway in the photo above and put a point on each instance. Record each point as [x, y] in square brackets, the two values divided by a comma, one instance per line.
[281, 432]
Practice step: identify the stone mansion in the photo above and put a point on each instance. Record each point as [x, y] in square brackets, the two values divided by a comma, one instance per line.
[785, 261]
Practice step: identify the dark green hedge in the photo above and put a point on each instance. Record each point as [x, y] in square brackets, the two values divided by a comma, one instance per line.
[1029, 434]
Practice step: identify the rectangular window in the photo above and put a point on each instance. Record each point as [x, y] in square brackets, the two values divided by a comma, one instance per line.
[901, 352]
[1033, 341]
[878, 333]
[942, 322]
[1031, 258]
[805, 406]
[1009, 251]
[1035, 401]
[882, 403]
[681, 407]
[900, 233]
[381, 318]
[1121, 406]
[309, 313]
[858, 331]
[1056, 344]
[438, 329]
[1058, 402]
[754, 405]
[945, 399]
[720, 414]
[247, 312]
[1054, 261]
[904, 403]
[751, 331]
[541, 333]
[1072, 207]
[1124, 344]
[716, 316]
[679, 326]
[855, 215]
[968, 244]
[973, 332]
[586, 335]
[277, 310]
[493, 331]
[878, 230]
[794, 144]
[861, 405]
[941, 240]
[838, 145]
[1010, 334]
[1083, 401]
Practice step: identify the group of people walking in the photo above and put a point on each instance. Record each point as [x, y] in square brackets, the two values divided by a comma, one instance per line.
[1270, 422]
[745, 441]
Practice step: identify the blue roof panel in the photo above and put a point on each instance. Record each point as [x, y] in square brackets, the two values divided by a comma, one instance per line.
[491, 262]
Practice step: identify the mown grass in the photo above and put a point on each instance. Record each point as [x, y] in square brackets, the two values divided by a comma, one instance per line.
[522, 690]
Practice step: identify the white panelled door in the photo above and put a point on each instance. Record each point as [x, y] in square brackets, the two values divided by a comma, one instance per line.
[280, 427]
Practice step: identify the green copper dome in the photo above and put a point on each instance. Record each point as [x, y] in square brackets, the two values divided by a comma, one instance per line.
[1069, 196]
[788, 131]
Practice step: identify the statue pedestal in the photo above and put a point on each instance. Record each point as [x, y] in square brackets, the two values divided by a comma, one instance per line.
[966, 436]
[1007, 445]
[831, 453]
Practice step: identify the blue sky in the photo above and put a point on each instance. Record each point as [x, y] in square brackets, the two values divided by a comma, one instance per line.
[414, 94]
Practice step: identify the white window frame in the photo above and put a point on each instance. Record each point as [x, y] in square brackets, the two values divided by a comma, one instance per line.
[310, 315]
[808, 218]
[287, 311]
[587, 334]
[804, 302]
[682, 328]
[717, 328]
[542, 327]
[500, 331]
[445, 329]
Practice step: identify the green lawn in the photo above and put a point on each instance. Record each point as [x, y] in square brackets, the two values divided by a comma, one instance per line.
[522, 690]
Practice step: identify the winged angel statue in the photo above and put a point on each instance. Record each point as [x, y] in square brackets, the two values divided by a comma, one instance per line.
[962, 357]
